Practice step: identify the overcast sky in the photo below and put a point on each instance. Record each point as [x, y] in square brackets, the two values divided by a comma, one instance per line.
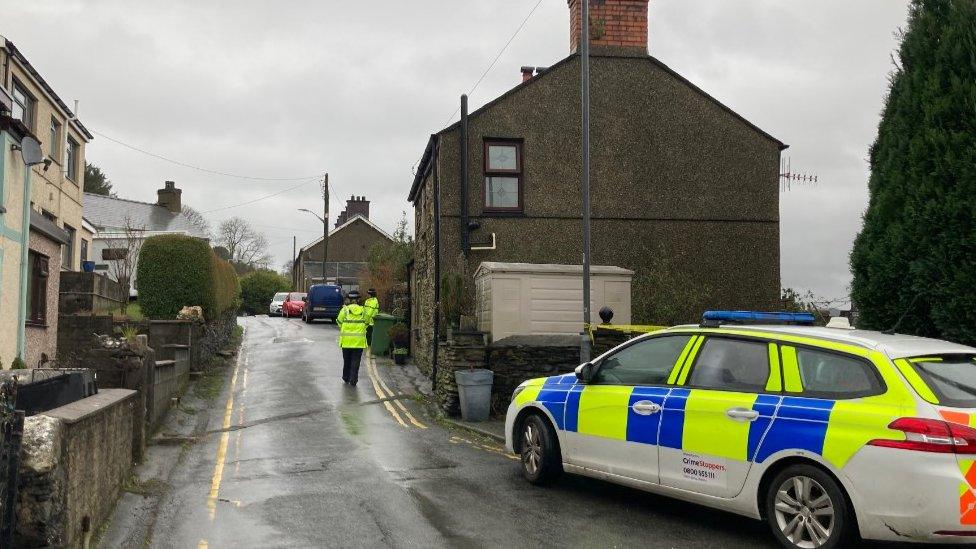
[293, 89]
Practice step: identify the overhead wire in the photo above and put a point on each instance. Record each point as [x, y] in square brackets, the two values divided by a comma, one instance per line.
[491, 66]
[198, 168]
[302, 184]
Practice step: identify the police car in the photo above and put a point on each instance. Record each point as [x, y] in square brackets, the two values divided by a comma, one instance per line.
[826, 433]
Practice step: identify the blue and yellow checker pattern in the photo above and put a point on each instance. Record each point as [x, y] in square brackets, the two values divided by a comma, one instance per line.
[693, 420]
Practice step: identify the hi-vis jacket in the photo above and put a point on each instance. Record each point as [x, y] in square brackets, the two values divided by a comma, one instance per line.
[352, 321]
[372, 306]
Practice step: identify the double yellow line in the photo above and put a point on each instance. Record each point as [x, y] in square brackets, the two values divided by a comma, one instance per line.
[383, 392]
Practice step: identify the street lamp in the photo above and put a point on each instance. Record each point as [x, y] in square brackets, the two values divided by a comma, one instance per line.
[325, 239]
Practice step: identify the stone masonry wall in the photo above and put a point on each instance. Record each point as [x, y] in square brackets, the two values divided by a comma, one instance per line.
[461, 352]
[515, 359]
[76, 460]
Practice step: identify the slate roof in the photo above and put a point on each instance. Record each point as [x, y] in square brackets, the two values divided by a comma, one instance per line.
[107, 213]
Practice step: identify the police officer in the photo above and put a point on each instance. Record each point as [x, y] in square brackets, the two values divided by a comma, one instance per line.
[352, 321]
[372, 306]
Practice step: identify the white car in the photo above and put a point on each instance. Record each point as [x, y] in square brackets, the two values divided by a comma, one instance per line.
[276, 303]
[825, 433]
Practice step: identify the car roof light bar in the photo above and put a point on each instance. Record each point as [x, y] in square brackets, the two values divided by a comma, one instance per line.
[718, 318]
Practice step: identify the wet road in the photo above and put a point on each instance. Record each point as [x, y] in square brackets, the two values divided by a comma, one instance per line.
[321, 464]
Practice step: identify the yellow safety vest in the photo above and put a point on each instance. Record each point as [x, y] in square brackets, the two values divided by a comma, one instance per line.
[352, 321]
[372, 306]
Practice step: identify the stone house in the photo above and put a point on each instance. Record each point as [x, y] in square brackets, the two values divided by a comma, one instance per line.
[683, 188]
[122, 225]
[40, 206]
[349, 244]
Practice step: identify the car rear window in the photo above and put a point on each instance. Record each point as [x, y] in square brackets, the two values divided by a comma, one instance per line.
[833, 375]
[952, 378]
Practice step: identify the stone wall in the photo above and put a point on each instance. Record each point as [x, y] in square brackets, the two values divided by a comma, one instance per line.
[461, 352]
[89, 293]
[75, 461]
[515, 359]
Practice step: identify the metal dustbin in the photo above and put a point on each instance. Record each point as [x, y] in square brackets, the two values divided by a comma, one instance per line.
[380, 343]
[474, 393]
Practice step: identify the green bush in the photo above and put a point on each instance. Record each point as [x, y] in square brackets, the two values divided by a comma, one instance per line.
[176, 271]
[259, 287]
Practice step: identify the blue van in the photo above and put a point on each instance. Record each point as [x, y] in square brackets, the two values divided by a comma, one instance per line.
[323, 301]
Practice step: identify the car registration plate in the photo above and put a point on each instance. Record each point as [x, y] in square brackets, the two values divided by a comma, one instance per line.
[318, 308]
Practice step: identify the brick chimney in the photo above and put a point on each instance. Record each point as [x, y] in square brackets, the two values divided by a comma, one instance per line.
[527, 73]
[170, 197]
[617, 24]
[356, 205]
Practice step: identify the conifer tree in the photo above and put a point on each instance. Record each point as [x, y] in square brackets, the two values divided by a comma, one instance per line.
[914, 262]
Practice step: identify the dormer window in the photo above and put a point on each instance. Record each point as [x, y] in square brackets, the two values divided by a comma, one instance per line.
[503, 176]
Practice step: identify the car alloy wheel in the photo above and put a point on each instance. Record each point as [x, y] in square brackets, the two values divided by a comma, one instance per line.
[531, 449]
[804, 512]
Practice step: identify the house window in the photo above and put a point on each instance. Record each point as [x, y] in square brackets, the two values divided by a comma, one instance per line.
[68, 250]
[24, 105]
[49, 216]
[503, 176]
[84, 250]
[54, 147]
[71, 159]
[37, 288]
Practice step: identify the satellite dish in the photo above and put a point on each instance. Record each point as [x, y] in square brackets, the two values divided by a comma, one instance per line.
[30, 151]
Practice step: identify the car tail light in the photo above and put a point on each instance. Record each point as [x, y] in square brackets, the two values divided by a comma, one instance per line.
[930, 435]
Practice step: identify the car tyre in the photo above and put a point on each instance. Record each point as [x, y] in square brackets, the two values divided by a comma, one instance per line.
[806, 509]
[541, 458]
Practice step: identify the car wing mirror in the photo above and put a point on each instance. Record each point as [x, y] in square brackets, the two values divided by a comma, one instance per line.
[585, 371]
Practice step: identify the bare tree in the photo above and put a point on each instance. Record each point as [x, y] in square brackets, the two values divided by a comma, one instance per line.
[245, 245]
[197, 220]
[122, 251]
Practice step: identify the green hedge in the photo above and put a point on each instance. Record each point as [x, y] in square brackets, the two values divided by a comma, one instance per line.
[176, 271]
[258, 289]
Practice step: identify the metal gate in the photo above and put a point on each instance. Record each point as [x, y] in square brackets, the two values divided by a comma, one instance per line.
[11, 432]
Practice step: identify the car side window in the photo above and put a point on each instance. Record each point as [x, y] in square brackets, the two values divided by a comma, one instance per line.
[731, 365]
[835, 375]
[647, 362]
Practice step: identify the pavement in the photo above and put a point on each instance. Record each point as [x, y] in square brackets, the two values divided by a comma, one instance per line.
[289, 456]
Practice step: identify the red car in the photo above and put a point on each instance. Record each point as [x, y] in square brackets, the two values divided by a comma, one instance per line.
[293, 305]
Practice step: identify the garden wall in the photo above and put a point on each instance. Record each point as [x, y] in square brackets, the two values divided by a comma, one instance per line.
[75, 460]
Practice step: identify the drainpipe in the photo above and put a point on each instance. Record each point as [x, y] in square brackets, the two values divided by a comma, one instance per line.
[24, 246]
[465, 245]
[437, 262]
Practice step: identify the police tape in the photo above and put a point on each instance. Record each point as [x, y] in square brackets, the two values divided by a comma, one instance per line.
[629, 329]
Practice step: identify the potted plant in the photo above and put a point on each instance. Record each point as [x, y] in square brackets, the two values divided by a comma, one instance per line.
[400, 338]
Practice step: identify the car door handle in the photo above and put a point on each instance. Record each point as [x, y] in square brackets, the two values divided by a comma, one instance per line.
[646, 408]
[742, 414]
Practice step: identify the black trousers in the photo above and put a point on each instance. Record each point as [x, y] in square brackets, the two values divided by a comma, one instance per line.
[350, 365]
[369, 335]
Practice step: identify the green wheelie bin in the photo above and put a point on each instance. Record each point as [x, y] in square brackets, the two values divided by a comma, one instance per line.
[381, 333]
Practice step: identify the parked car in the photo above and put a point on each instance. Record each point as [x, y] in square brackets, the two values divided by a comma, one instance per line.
[826, 433]
[276, 302]
[322, 302]
[293, 305]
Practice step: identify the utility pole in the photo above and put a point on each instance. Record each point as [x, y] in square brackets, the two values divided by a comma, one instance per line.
[294, 256]
[325, 226]
[585, 93]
